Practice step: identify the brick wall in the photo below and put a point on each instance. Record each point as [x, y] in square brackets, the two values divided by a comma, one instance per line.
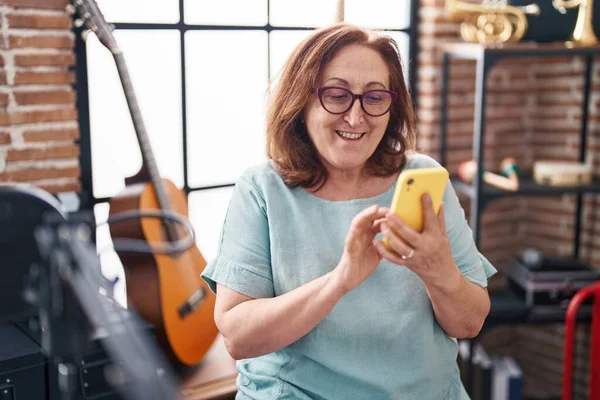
[533, 113]
[38, 117]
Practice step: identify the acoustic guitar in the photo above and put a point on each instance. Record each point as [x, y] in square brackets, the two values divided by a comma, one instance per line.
[166, 290]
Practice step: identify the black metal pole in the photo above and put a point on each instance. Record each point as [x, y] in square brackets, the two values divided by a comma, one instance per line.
[589, 62]
[86, 196]
[413, 51]
[444, 109]
[483, 66]
[478, 155]
[184, 141]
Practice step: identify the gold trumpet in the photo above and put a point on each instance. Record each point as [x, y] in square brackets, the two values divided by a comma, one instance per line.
[583, 35]
[490, 22]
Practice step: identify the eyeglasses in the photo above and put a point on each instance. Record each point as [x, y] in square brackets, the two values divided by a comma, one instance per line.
[338, 100]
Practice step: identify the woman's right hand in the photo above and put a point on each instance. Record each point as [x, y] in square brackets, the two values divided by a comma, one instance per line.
[360, 257]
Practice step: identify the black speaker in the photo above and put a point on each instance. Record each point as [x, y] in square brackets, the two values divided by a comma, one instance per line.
[22, 366]
[551, 25]
[22, 209]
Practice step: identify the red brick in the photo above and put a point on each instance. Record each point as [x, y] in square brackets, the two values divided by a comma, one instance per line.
[549, 112]
[45, 97]
[1, 61]
[5, 138]
[36, 78]
[439, 34]
[51, 4]
[39, 21]
[550, 75]
[28, 117]
[49, 135]
[42, 42]
[2, 78]
[558, 101]
[3, 100]
[433, 3]
[36, 174]
[70, 151]
[51, 60]
[62, 187]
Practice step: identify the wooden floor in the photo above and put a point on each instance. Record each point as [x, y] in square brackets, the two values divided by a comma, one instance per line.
[215, 377]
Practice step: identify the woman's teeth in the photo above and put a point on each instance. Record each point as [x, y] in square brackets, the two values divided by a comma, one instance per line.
[348, 135]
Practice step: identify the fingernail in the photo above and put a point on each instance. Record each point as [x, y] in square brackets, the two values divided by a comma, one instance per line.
[394, 218]
[427, 198]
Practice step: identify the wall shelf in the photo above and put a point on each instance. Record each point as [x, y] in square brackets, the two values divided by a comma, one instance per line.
[527, 187]
[486, 56]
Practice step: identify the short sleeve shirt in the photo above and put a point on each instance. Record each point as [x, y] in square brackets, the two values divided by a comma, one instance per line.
[381, 340]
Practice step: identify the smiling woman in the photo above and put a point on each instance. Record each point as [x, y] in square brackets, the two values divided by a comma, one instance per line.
[309, 300]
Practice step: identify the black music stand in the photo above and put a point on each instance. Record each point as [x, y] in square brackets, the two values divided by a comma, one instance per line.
[51, 270]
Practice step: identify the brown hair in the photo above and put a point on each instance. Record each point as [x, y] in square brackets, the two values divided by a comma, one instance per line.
[288, 143]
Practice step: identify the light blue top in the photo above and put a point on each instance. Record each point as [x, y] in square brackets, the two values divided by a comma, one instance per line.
[381, 341]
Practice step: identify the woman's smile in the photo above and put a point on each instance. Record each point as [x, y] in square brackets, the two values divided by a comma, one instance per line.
[350, 136]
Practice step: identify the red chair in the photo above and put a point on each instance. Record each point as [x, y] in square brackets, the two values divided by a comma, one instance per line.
[581, 296]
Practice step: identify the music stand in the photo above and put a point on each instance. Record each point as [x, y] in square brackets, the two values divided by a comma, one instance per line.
[57, 278]
[66, 290]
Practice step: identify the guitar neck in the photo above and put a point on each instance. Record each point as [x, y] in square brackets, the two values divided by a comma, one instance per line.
[149, 162]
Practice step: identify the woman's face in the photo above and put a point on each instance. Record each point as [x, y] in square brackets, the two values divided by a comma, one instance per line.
[346, 141]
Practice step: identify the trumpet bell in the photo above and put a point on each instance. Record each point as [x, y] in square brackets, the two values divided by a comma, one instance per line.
[490, 22]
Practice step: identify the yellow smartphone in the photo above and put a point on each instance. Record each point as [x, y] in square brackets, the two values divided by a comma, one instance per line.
[411, 186]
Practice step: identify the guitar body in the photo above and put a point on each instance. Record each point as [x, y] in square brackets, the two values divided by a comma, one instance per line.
[158, 284]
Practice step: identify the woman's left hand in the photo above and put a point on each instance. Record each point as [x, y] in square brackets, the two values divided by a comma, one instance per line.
[428, 254]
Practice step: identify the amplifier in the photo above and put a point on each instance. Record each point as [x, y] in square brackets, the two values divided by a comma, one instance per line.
[22, 366]
[94, 371]
[548, 288]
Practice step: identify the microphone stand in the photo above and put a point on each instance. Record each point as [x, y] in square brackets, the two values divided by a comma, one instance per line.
[72, 310]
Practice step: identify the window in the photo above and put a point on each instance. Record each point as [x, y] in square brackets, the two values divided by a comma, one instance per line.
[185, 58]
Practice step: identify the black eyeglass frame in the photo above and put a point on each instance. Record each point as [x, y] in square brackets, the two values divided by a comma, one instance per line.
[319, 92]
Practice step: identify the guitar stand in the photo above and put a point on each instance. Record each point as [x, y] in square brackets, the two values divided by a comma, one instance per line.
[66, 291]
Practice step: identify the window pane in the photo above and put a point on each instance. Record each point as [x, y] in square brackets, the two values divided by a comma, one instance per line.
[109, 260]
[162, 11]
[393, 14]
[402, 39]
[226, 93]
[281, 46]
[312, 13]
[207, 210]
[226, 12]
[153, 59]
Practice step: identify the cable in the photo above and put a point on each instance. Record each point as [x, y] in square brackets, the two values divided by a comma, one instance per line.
[142, 246]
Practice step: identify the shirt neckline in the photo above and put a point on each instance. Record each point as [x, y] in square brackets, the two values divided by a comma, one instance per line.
[362, 200]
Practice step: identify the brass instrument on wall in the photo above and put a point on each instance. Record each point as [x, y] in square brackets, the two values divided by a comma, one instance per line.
[583, 35]
[491, 21]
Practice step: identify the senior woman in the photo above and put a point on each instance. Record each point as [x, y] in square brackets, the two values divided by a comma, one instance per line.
[308, 299]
